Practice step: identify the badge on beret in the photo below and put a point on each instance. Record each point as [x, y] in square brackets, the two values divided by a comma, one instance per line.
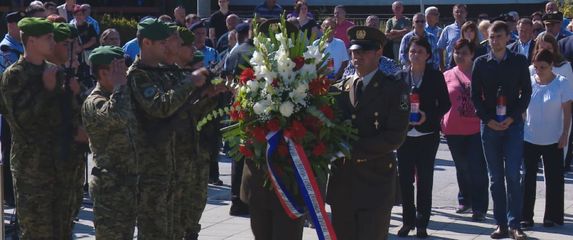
[360, 34]
[404, 102]
[149, 92]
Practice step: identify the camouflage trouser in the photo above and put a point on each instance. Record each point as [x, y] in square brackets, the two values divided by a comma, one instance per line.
[77, 180]
[182, 198]
[156, 189]
[197, 192]
[43, 194]
[115, 203]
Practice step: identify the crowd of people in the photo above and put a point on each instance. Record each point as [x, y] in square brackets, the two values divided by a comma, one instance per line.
[498, 89]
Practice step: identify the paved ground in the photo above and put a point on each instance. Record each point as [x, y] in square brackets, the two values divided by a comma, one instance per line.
[444, 223]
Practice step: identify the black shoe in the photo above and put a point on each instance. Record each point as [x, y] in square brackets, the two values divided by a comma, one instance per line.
[526, 224]
[463, 209]
[517, 234]
[421, 233]
[499, 233]
[191, 236]
[216, 182]
[405, 230]
[478, 217]
[238, 208]
[548, 223]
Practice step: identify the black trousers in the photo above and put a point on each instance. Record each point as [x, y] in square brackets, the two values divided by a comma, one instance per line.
[416, 159]
[352, 223]
[236, 179]
[270, 222]
[554, 182]
[569, 153]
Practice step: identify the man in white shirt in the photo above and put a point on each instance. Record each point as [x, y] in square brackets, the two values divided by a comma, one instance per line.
[525, 42]
[66, 10]
[336, 50]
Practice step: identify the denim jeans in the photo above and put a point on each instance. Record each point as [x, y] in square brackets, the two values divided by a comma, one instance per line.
[503, 152]
[471, 170]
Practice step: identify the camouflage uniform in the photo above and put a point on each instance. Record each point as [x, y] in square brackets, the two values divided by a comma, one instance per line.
[41, 154]
[156, 98]
[110, 123]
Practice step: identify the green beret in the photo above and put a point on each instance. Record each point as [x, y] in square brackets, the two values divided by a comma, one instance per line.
[104, 55]
[187, 36]
[198, 57]
[153, 29]
[62, 32]
[32, 26]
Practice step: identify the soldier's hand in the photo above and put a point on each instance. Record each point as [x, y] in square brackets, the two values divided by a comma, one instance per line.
[49, 77]
[75, 86]
[199, 77]
[81, 135]
[118, 72]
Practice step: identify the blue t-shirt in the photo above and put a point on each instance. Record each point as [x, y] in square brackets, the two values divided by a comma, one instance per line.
[210, 56]
[131, 48]
[15, 49]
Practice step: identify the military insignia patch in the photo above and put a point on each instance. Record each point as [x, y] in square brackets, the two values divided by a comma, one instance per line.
[149, 92]
[404, 102]
[360, 34]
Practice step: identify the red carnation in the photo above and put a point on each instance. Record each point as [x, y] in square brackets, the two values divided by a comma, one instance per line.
[297, 129]
[273, 125]
[236, 115]
[327, 111]
[319, 149]
[282, 149]
[319, 86]
[246, 75]
[245, 151]
[275, 82]
[259, 134]
[299, 62]
[312, 122]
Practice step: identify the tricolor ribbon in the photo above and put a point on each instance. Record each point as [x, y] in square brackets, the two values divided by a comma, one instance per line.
[306, 182]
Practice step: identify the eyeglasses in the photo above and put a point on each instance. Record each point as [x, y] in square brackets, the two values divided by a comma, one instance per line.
[420, 21]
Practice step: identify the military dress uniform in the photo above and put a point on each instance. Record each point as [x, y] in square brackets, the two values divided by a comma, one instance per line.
[361, 189]
[41, 154]
[110, 122]
[156, 99]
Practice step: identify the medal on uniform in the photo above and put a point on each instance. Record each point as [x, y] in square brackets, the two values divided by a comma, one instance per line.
[376, 123]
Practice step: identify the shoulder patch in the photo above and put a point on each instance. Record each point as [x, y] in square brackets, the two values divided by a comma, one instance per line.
[149, 92]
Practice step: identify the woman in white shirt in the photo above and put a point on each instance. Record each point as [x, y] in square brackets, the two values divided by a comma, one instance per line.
[560, 65]
[547, 124]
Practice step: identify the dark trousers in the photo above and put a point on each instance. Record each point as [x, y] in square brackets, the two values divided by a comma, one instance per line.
[270, 222]
[569, 153]
[6, 141]
[416, 159]
[236, 179]
[364, 224]
[554, 182]
[471, 171]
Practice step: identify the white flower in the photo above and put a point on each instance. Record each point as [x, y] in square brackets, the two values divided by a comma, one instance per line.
[313, 53]
[261, 106]
[257, 59]
[299, 94]
[253, 85]
[286, 108]
[263, 72]
[309, 70]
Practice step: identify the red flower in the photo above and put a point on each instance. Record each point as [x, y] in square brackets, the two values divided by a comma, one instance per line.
[319, 149]
[246, 151]
[275, 82]
[312, 122]
[327, 111]
[259, 134]
[282, 149]
[273, 125]
[236, 115]
[299, 62]
[296, 131]
[319, 86]
[246, 75]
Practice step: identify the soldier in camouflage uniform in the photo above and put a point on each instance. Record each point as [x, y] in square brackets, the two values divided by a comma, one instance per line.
[108, 116]
[192, 164]
[64, 36]
[156, 99]
[33, 94]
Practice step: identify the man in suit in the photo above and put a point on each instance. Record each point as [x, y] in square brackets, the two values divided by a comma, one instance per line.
[525, 42]
[361, 189]
[552, 22]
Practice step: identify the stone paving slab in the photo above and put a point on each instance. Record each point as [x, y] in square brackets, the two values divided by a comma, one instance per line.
[217, 224]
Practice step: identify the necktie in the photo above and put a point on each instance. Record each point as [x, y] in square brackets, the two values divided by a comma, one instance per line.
[358, 89]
